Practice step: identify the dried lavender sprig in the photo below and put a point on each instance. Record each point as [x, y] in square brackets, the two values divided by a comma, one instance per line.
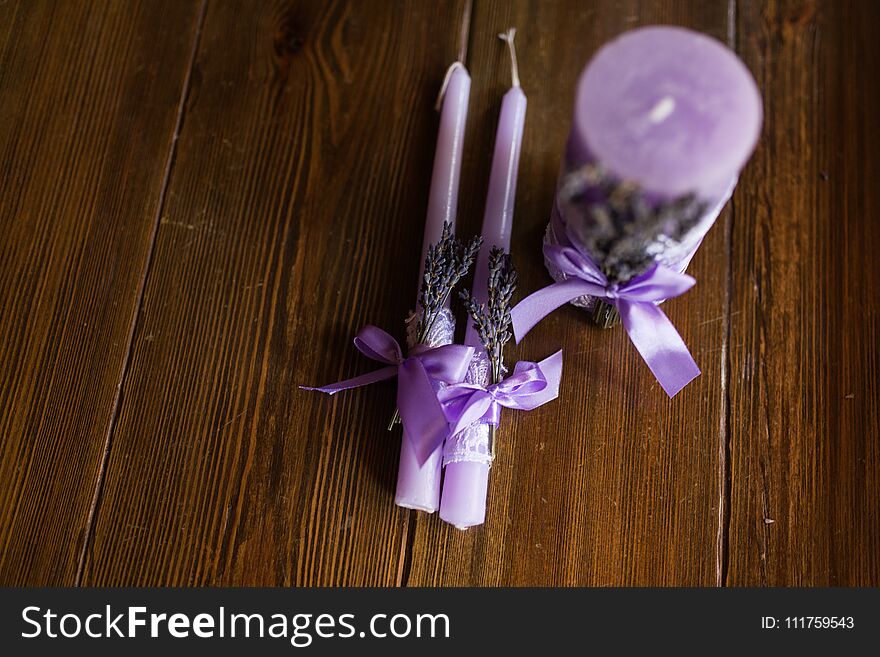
[492, 319]
[446, 263]
[618, 224]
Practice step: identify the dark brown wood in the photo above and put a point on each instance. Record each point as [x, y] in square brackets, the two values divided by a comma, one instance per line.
[202, 202]
[613, 483]
[89, 94]
[297, 194]
[805, 344]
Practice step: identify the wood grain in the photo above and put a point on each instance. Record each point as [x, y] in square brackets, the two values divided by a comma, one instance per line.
[202, 202]
[302, 172]
[89, 94]
[613, 483]
[805, 344]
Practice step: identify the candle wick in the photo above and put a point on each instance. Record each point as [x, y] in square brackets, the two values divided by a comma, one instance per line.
[446, 79]
[514, 70]
[662, 109]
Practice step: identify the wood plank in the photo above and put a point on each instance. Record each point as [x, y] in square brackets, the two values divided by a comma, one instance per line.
[805, 356]
[88, 98]
[295, 205]
[613, 483]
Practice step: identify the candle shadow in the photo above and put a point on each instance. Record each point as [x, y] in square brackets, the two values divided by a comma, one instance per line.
[357, 419]
[535, 236]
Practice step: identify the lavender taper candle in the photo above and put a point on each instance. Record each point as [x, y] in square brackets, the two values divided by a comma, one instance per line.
[418, 484]
[467, 455]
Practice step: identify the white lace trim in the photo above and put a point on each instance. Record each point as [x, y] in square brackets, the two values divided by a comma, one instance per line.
[472, 444]
[441, 332]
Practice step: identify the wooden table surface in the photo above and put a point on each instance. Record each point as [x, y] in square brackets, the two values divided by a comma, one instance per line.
[203, 201]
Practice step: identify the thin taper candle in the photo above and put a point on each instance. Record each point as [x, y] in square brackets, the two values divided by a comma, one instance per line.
[466, 483]
[498, 215]
[443, 197]
[418, 484]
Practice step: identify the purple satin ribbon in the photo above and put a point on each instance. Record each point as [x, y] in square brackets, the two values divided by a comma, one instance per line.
[530, 386]
[423, 418]
[646, 324]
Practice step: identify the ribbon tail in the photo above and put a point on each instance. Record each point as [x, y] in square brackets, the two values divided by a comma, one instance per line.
[659, 344]
[424, 421]
[551, 367]
[550, 370]
[538, 305]
[363, 380]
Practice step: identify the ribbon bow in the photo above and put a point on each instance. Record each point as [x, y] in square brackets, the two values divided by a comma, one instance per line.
[647, 325]
[424, 422]
[530, 386]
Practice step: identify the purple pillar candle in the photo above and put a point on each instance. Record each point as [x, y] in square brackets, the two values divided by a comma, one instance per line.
[674, 113]
[418, 484]
[467, 455]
